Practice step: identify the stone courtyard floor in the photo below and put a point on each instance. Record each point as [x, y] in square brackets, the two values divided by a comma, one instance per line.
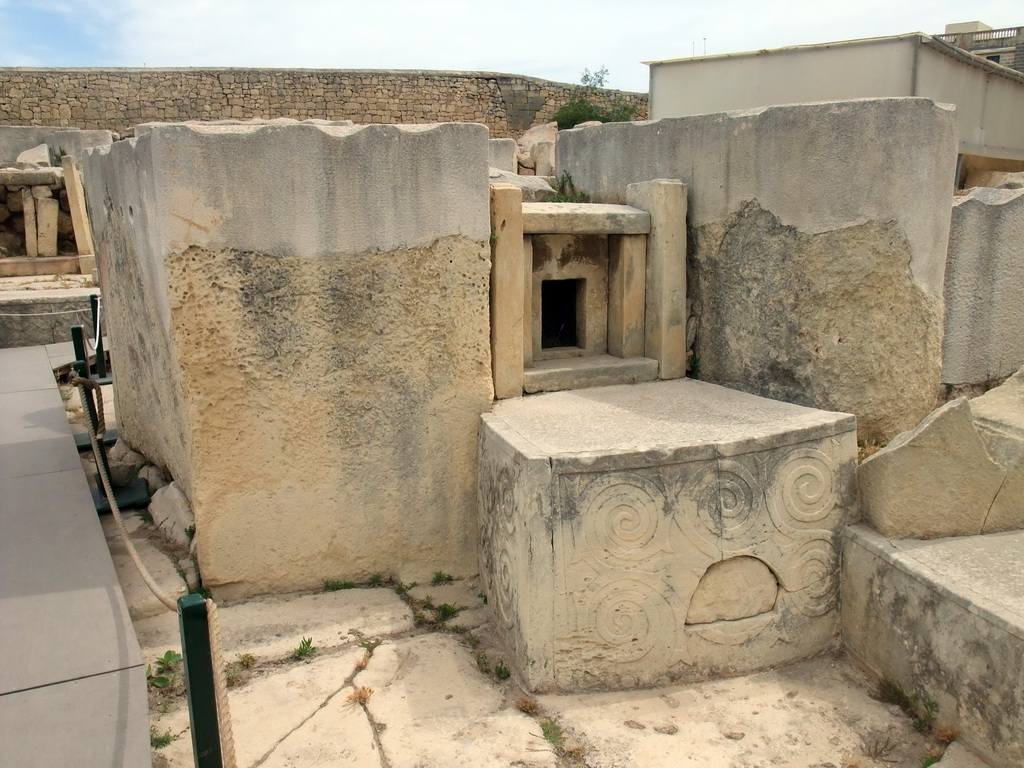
[387, 686]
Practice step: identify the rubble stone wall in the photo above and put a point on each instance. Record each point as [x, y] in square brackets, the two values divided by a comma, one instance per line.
[117, 99]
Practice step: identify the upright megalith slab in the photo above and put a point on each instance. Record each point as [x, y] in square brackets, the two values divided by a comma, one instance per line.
[299, 318]
[817, 244]
[984, 331]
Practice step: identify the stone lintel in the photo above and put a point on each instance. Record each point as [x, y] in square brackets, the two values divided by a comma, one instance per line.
[31, 177]
[584, 219]
[589, 371]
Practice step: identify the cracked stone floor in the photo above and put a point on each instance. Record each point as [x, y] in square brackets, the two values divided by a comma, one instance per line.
[389, 687]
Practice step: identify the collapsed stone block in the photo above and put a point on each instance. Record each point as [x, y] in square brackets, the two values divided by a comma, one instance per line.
[815, 266]
[311, 317]
[501, 154]
[984, 326]
[936, 480]
[617, 523]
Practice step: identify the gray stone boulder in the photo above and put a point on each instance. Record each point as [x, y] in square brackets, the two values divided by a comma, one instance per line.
[125, 463]
[535, 188]
[38, 155]
[172, 515]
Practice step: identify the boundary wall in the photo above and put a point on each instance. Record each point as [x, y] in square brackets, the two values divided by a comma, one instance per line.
[118, 98]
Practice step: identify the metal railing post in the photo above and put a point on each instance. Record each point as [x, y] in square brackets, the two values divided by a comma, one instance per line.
[202, 699]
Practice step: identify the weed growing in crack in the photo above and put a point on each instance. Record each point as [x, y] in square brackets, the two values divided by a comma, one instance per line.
[552, 731]
[246, 660]
[377, 580]
[528, 706]
[446, 611]
[501, 671]
[360, 696]
[440, 577]
[482, 663]
[159, 740]
[306, 648]
[333, 586]
[403, 589]
[879, 745]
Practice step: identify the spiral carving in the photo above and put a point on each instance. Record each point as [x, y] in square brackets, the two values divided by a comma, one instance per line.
[815, 586]
[726, 499]
[623, 519]
[505, 584]
[631, 617]
[805, 485]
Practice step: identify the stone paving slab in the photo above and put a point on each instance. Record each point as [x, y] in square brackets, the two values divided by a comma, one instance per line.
[35, 438]
[437, 709]
[272, 627]
[63, 612]
[25, 368]
[94, 721]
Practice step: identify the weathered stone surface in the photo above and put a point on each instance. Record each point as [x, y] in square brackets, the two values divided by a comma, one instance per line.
[603, 508]
[271, 712]
[665, 298]
[172, 515]
[435, 709]
[959, 756]
[998, 180]
[76, 204]
[543, 132]
[999, 417]
[336, 333]
[15, 139]
[543, 155]
[72, 143]
[30, 177]
[28, 206]
[935, 480]
[733, 589]
[1007, 510]
[591, 371]
[155, 477]
[507, 281]
[501, 154]
[271, 627]
[46, 225]
[984, 327]
[945, 620]
[124, 463]
[535, 189]
[584, 218]
[139, 598]
[799, 263]
[627, 285]
[583, 258]
[38, 155]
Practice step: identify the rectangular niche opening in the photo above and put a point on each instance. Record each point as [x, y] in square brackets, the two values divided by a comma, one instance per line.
[559, 304]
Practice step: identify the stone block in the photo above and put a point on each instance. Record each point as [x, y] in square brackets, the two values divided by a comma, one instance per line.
[609, 514]
[28, 205]
[15, 139]
[999, 416]
[984, 326]
[936, 480]
[535, 189]
[584, 219]
[507, 283]
[665, 313]
[47, 211]
[37, 155]
[798, 267]
[501, 154]
[543, 155]
[589, 371]
[172, 515]
[627, 279]
[341, 326]
[73, 143]
[542, 132]
[76, 203]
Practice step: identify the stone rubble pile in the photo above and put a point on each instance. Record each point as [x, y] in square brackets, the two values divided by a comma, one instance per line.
[35, 215]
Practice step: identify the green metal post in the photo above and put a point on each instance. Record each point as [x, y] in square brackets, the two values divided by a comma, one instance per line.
[78, 340]
[202, 699]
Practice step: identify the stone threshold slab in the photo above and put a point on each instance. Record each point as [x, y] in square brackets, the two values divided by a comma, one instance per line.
[15, 266]
[590, 371]
[654, 423]
[584, 219]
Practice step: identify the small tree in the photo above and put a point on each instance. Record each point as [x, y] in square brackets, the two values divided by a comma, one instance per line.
[582, 106]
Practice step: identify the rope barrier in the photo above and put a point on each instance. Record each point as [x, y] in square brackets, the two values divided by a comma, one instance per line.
[44, 314]
[219, 677]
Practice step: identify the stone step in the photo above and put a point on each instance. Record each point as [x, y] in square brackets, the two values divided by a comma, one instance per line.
[945, 620]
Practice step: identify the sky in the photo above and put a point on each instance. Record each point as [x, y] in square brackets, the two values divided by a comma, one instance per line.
[555, 40]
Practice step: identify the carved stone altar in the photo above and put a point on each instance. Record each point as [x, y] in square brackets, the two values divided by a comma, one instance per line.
[673, 530]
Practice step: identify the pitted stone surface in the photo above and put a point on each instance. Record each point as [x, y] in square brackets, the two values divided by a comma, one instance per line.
[604, 508]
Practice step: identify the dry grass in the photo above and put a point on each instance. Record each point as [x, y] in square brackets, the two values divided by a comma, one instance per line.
[360, 695]
[946, 733]
[528, 705]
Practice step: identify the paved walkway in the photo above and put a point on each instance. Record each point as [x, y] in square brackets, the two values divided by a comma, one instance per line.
[72, 681]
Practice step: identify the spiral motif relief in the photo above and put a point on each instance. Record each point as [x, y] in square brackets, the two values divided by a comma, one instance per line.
[805, 485]
[497, 493]
[631, 617]
[623, 519]
[816, 578]
[726, 499]
[505, 585]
